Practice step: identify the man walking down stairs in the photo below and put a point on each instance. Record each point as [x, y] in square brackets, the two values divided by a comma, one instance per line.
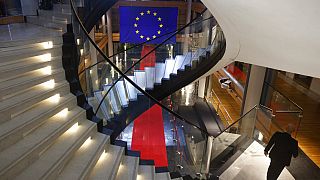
[43, 133]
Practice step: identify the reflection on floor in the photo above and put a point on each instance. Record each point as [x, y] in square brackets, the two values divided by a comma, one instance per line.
[12, 32]
[252, 165]
[308, 133]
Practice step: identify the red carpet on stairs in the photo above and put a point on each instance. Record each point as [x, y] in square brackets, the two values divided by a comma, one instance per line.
[150, 60]
[148, 136]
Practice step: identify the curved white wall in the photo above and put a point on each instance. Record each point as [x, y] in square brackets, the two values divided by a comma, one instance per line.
[280, 34]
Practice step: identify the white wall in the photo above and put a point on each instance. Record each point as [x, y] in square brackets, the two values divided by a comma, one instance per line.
[280, 34]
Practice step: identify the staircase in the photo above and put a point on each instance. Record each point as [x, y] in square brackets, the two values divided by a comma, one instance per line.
[43, 133]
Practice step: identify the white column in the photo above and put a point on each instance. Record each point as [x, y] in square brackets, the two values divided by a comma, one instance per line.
[201, 87]
[103, 19]
[252, 96]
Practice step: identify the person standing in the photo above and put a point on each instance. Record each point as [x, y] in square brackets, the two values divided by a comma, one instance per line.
[283, 147]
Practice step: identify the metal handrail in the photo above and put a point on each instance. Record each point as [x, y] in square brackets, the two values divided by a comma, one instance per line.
[219, 101]
[124, 76]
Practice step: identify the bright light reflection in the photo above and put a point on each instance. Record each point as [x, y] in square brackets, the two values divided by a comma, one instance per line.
[54, 98]
[49, 84]
[102, 157]
[87, 142]
[46, 70]
[45, 57]
[73, 128]
[120, 167]
[139, 177]
[260, 137]
[78, 41]
[63, 113]
[47, 45]
[81, 52]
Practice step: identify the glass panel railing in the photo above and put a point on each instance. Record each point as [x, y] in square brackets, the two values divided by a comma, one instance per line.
[243, 143]
[285, 110]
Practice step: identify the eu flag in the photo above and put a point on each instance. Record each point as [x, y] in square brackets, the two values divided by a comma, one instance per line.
[139, 24]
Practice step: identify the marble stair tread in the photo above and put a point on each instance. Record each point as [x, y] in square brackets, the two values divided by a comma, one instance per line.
[32, 96]
[150, 77]
[31, 54]
[45, 22]
[132, 92]
[27, 80]
[178, 63]
[85, 158]
[169, 68]
[121, 91]
[163, 176]
[29, 65]
[27, 41]
[128, 169]
[108, 164]
[160, 68]
[55, 158]
[16, 156]
[27, 50]
[140, 78]
[55, 14]
[14, 130]
[146, 172]
[40, 44]
[187, 60]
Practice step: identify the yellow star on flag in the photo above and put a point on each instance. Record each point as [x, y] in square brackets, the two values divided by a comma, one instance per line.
[159, 32]
[161, 25]
[148, 12]
[155, 14]
[135, 25]
[141, 37]
[137, 18]
[148, 38]
[154, 36]
[159, 18]
[137, 31]
[142, 13]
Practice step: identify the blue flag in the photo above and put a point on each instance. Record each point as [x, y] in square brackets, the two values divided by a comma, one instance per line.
[139, 24]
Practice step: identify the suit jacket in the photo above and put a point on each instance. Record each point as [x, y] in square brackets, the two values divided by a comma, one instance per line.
[283, 147]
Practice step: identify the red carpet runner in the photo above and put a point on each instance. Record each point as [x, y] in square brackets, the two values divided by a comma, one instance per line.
[150, 60]
[148, 136]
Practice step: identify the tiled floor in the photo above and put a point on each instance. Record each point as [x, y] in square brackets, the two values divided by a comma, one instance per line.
[252, 165]
[24, 31]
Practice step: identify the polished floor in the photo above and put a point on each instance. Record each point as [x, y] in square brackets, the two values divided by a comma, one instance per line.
[308, 133]
[24, 31]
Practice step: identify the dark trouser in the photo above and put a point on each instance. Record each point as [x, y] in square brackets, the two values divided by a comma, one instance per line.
[275, 169]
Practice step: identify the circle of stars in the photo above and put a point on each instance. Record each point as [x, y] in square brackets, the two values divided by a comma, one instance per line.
[136, 25]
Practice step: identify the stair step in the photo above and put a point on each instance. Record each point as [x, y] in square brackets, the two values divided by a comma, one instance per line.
[15, 129]
[146, 172]
[121, 91]
[108, 164]
[186, 61]
[55, 37]
[113, 99]
[21, 67]
[44, 43]
[169, 68]
[27, 150]
[163, 176]
[132, 92]
[160, 68]
[140, 79]
[85, 158]
[150, 77]
[55, 14]
[63, 8]
[179, 60]
[128, 169]
[105, 110]
[27, 54]
[16, 104]
[52, 161]
[29, 80]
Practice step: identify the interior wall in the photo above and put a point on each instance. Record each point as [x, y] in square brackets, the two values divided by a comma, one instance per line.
[282, 35]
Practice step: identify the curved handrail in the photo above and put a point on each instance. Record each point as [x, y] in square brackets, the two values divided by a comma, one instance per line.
[124, 76]
[136, 45]
[134, 64]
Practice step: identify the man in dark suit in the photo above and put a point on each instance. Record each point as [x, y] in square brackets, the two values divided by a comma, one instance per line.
[283, 148]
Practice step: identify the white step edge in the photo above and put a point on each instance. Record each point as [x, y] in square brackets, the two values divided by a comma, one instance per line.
[52, 161]
[163, 176]
[160, 67]
[150, 77]
[121, 91]
[140, 79]
[27, 150]
[132, 92]
[169, 68]
[19, 126]
[128, 169]
[84, 160]
[108, 164]
[146, 172]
